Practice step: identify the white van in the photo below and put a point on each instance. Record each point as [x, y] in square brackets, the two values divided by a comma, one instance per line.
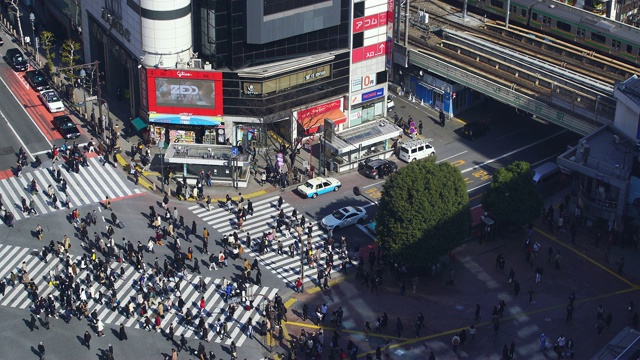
[547, 175]
[415, 150]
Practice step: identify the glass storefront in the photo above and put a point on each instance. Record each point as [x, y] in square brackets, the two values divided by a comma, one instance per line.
[187, 134]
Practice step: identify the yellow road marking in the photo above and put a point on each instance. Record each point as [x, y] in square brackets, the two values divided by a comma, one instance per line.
[584, 256]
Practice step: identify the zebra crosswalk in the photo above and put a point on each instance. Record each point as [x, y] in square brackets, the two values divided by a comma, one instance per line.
[15, 259]
[264, 218]
[91, 185]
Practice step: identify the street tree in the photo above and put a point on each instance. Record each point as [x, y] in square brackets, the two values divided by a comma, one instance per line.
[70, 53]
[424, 213]
[47, 40]
[513, 196]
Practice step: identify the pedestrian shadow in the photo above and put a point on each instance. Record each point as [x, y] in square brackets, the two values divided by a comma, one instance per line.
[116, 333]
[27, 323]
[35, 351]
[103, 354]
[81, 340]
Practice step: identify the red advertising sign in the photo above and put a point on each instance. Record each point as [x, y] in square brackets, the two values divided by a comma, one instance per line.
[357, 55]
[368, 52]
[375, 21]
[319, 109]
[177, 91]
[358, 25]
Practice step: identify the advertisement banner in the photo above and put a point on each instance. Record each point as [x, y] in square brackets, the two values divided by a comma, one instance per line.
[374, 94]
[184, 92]
[368, 52]
[144, 93]
[178, 119]
[319, 109]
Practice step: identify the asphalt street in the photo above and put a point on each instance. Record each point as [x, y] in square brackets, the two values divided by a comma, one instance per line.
[24, 120]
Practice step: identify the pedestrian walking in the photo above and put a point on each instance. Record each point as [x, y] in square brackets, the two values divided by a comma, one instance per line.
[505, 352]
[87, 340]
[47, 322]
[455, 341]
[41, 350]
[32, 323]
[608, 320]
[183, 343]
[477, 313]
[512, 349]
[107, 204]
[569, 312]
[532, 295]
[472, 332]
[122, 333]
[399, 327]
[39, 232]
[543, 342]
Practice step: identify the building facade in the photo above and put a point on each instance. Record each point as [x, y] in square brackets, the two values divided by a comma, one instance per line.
[234, 71]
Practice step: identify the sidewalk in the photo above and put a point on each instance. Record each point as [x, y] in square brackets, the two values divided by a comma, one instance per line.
[449, 309]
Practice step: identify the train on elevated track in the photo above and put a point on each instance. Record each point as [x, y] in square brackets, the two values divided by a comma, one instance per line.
[572, 24]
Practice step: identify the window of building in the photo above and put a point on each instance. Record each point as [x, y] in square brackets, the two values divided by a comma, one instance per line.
[114, 7]
[358, 10]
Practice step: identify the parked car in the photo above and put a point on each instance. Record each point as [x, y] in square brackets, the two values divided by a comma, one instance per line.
[390, 103]
[344, 217]
[372, 168]
[66, 127]
[37, 80]
[16, 60]
[51, 101]
[318, 186]
[475, 129]
[1, 41]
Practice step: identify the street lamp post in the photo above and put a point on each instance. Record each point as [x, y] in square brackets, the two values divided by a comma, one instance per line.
[32, 18]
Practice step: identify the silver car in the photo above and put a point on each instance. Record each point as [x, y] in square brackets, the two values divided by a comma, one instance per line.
[346, 216]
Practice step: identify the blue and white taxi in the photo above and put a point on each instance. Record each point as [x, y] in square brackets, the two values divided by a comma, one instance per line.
[318, 186]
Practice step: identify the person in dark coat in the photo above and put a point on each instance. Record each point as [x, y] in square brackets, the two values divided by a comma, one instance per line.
[123, 334]
[41, 350]
[87, 340]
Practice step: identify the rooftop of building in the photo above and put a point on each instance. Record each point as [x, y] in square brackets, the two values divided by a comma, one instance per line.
[366, 134]
[204, 151]
[631, 89]
[606, 152]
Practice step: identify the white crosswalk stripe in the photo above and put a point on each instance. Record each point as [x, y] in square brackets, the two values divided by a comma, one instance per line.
[12, 258]
[265, 213]
[93, 184]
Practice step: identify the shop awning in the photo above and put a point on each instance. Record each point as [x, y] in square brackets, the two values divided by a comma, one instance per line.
[138, 124]
[312, 124]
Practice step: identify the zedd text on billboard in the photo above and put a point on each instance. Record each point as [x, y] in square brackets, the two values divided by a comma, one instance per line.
[186, 92]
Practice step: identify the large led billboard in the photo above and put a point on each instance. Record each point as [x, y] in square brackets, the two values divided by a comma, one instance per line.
[174, 91]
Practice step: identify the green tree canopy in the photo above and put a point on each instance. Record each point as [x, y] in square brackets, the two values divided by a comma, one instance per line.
[424, 213]
[513, 196]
